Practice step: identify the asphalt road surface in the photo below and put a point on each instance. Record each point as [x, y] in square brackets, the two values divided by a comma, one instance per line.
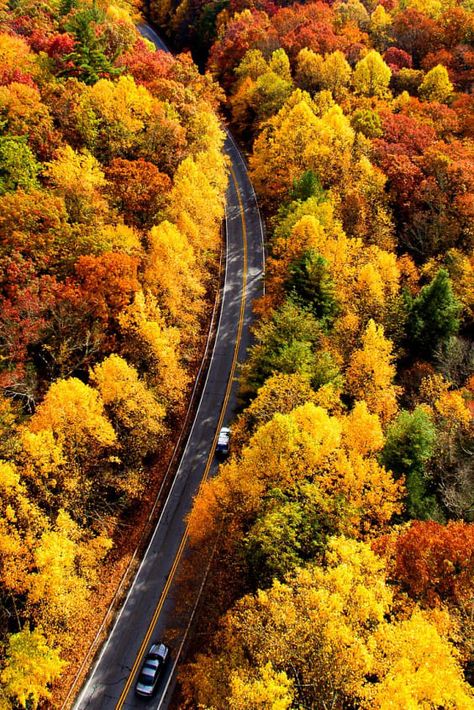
[149, 610]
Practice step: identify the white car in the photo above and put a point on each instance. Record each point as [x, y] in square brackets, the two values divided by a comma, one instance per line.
[223, 442]
[152, 669]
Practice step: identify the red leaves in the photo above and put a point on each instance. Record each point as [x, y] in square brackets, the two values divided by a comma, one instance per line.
[435, 563]
[146, 66]
[397, 59]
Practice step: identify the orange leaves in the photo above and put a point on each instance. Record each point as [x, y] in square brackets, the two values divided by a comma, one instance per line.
[107, 283]
[435, 563]
[138, 189]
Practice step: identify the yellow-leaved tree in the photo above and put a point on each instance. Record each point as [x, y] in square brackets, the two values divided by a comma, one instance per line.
[31, 665]
[416, 665]
[328, 636]
[150, 339]
[21, 526]
[263, 689]
[78, 178]
[371, 372]
[308, 454]
[133, 408]
[122, 109]
[172, 275]
[65, 439]
[196, 200]
[65, 568]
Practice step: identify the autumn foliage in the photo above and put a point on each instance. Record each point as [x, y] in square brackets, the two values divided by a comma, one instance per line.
[349, 489]
[112, 186]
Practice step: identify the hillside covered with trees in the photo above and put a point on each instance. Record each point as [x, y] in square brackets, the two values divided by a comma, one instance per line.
[341, 527]
[112, 185]
[344, 569]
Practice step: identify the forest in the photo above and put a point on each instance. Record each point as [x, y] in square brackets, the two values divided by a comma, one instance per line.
[112, 183]
[344, 571]
[342, 525]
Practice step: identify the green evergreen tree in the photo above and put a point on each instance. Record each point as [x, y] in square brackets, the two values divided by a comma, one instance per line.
[308, 185]
[286, 343]
[408, 446]
[311, 286]
[432, 315]
[88, 55]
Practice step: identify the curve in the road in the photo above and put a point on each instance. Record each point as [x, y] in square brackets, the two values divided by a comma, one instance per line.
[171, 576]
[148, 609]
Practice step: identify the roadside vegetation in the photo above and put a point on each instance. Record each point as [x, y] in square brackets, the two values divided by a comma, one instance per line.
[112, 187]
[344, 570]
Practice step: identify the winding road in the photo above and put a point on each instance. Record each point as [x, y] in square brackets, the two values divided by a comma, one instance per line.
[149, 610]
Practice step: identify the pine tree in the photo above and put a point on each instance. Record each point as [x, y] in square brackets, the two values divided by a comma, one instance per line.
[432, 315]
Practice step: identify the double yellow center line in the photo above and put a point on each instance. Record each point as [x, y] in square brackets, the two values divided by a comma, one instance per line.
[177, 559]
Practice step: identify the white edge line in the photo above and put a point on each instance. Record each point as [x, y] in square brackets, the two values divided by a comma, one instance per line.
[260, 220]
[155, 504]
[157, 527]
[104, 647]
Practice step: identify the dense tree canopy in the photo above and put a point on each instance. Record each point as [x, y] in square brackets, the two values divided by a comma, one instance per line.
[111, 187]
[357, 391]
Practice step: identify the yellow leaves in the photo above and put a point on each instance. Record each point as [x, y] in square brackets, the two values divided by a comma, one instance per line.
[372, 76]
[15, 53]
[45, 450]
[362, 431]
[436, 86]
[196, 202]
[135, 408]
[206, 139]
[78, 178]
[452, 407]
[291, 447]
[278, 156]
[372, 494]
[118, 14]
[74, 413]
[172, 275]
[149, 337]
[59, 588]
[318, 624]
[266, 690]
[9, 478]
[122, 104]
[367, 279]
[377, 282]
[64, 439]
[31, 665]
[416, 668]
[234, 492]
[327, 627]
[120, 238]
[371, 372]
